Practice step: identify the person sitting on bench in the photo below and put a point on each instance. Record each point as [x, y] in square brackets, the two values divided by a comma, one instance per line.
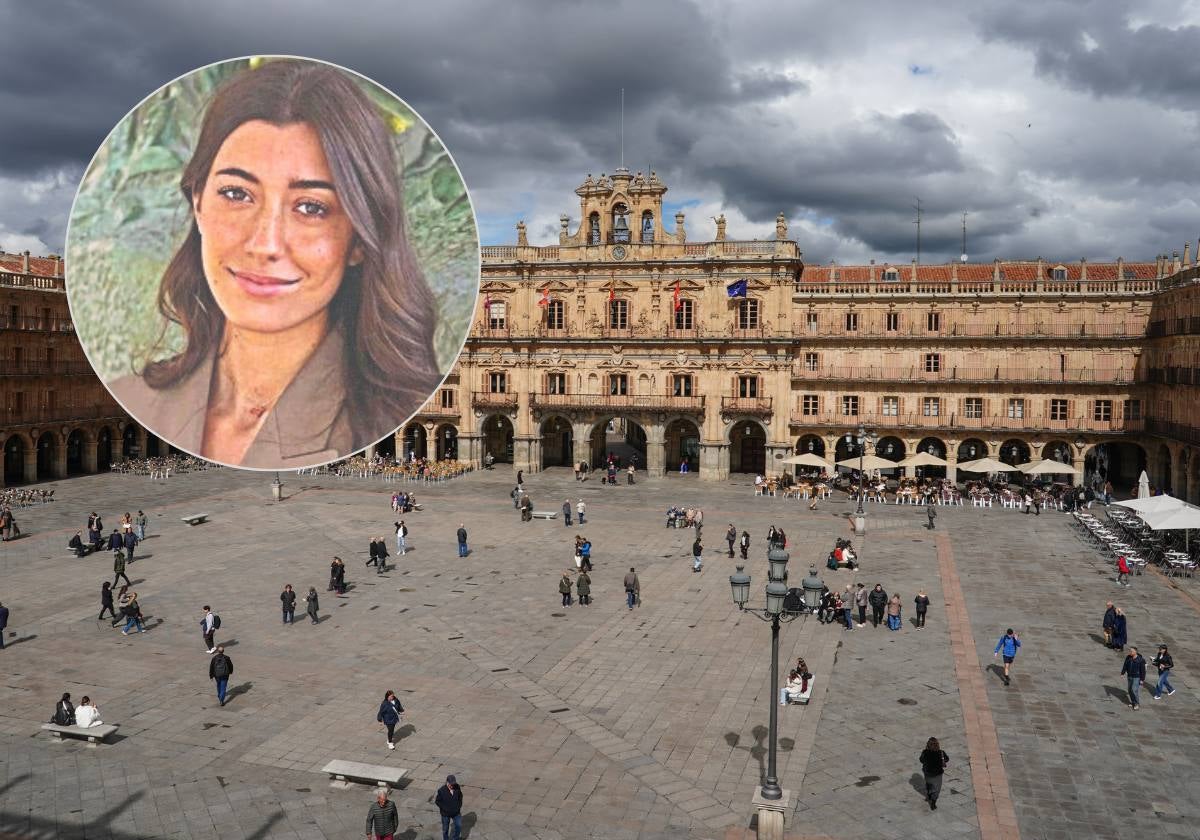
[76, 545]
[797, 685]
[87, 714]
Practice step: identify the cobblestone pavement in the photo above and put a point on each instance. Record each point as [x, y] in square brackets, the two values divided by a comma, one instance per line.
[582, 721]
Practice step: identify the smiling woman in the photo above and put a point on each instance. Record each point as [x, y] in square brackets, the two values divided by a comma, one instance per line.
[298, 326]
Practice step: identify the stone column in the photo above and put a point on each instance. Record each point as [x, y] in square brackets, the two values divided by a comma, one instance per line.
[770, 814]
[2, 457]
[581, 443]
[656, 449]
[714, 460]
[60, 457]
[527, 453]
[470, 449]
[369, 452]
[952, 467]
[91, 454]
[140, 441]
[776, 452]
[31, 475]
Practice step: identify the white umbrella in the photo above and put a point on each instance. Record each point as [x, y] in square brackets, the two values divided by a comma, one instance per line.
[1143, 486]
[808, 459]
[923, 459]
[1048, 467]
[985, 465]
[1182, 517]
[1152, 504]
[869, 462]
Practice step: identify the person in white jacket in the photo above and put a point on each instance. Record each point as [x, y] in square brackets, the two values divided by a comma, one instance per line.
[87, 714]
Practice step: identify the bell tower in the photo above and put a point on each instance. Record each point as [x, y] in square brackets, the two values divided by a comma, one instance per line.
[621, 209]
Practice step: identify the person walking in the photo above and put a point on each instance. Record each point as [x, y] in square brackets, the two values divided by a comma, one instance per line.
[462, 540]
[894, 608]
[382, 819]
[564, 588]
[1120, 630]
[390, 711]
[861, 600]
[697, 555]
[401, 536]
[933, 765]
[122, 604]
[1110, 622]
[633, 588]
[106, 603]
[208, 626]
[130, 542]
[744, 544]
[731, 537]
[288, 600]
[1009, 643]
[1164, 663]
[373, 552]
[449, 800]
[119, 569]
[1134, 671]
[139, 525]
[878, 598]
[1122, 571]
[116, 542]
[580, 509]
[930, 512]
[922, 604]
[338, 570]
[629, 474]
[220, 668]
[133, 615]
[583, 586]
[312, 605]
[4, 623]
[566, 509]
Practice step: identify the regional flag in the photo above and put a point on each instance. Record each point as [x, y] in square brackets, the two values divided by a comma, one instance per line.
[544, 300]
[739, 288]
[678, 302]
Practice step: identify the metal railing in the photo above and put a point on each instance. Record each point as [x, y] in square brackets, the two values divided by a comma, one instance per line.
[489, 399]
[746, 405]
[957, 421]
[1176, 431]
[1079, 376]
[618, 401]
[58, 414]
[960, 330]
[43, 368]
[36, 323]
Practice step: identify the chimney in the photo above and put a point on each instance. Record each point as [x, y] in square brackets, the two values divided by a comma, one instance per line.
[996, 271]
[58, 268]
[1187, 254]
[1158, 263]
[953, 272]
[1120, 268]
[1175, 264]
[1083, 268]
[1041, 271]
[25, 263]
[914, 270]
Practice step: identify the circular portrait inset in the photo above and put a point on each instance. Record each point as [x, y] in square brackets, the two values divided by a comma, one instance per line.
[272, 262]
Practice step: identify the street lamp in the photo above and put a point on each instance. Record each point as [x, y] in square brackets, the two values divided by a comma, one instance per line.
[776, 591]
[861, 437]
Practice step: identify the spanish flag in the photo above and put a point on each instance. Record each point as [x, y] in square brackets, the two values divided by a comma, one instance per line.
[678, 302]
[544, 300]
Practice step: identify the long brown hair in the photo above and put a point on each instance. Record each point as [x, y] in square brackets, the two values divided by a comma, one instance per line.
[932, 745]
[384, 307]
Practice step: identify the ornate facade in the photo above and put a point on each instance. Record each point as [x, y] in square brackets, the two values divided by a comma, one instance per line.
[626, 320]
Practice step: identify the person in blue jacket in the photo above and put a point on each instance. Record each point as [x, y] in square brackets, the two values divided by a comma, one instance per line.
[1009, 643]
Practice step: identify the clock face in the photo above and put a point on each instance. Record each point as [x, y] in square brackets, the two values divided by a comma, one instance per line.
[618, 252]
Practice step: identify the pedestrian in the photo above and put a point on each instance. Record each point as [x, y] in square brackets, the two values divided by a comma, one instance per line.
[115, 541]
[1110, 622]
[583, 585]
[697, 559]
[373, 553]
[4, 623]
[1164, 663]
[338, 575]
[633, 588]
[580, 509]
[208, 626]
[401, 536]
[133, 615]
[449, 800]
[311, 600]
[122, 603]
[847, 600]
[526, 509]
[878, 600]
[1009, 643]
[139, 526]
[629, 474]
[462, 540]
[744, 544]
[382, 819]
[930, 512]
[585, 554]
[106, 602]
[382, 555]
[520, 477]
[515, 495]
[731, 537]
[288, 599]
[1122, 571]
[1134, 671]
[390, 711]
[564, 588]
[119, 568]
[894, 607]
[861, 600]
[922, 603]
[1120, 630]
[129, 541]
[220, 668]
[933, 765]
[566, 513]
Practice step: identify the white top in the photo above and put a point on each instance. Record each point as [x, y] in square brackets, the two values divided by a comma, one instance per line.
[87, 716]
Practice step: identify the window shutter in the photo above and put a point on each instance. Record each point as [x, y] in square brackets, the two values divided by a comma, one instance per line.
[1091, 412]
[1046, 410]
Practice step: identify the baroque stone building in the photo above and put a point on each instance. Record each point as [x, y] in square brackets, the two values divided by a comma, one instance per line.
[57, 417]
[628, 325]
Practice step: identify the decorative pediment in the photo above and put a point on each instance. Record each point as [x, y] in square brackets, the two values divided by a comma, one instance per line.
[681, 361]
[554, 358]
[555, 287]
[497, 286]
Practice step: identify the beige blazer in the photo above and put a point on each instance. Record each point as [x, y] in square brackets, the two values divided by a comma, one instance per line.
[309, 425]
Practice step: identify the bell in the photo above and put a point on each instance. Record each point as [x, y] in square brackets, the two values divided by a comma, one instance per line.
[621, 225]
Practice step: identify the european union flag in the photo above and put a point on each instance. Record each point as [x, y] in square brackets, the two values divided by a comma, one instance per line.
[739, 288]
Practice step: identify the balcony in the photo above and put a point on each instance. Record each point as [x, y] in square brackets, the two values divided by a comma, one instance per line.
[488, 399]
[439, 410]
[626, 402]
[36, 323]
[1005, 287]
[58, 414]
[952, 422]
[757, 406]
[1175, 431]
[43, 368]
[1050, 376]
[958, 330]
[14, 280]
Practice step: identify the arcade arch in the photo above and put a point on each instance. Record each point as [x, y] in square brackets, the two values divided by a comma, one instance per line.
[748, 447]
[498, 438]
[682, 441]
[620, 436]
[446, 441]
[415, 441]
[14, 460]
[557, 442]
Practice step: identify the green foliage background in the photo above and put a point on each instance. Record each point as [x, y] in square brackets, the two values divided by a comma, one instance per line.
[129, 218]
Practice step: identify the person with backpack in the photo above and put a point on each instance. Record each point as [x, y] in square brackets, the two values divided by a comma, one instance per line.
[220, 668]
[64, 712]
[462, 540]
[1010, 643]
[390, 711]
[209, 625]
[933, 766]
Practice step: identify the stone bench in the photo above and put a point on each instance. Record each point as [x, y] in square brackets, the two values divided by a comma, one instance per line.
[802, 699]
[344, 771]
[194, 519]
[94, 734]
[545, 514]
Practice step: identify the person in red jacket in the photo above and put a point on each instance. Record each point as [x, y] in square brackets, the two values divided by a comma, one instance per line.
[1122, 571]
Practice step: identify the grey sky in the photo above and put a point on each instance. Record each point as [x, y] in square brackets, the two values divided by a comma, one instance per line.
[1065, 128]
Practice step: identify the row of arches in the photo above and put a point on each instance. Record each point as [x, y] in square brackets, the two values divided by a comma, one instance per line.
[51, 455]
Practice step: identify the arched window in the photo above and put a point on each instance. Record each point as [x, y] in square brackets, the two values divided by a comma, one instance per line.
[594, 229]
[647, 226]
[620, 224]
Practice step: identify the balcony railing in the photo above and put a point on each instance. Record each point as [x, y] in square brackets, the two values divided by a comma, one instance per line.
[956, 421]
[438, 410]
[43, 368]
[58, 414]
[958, 330]
[1079, 376]
[31, 281]
[666, 402]
[746, 405]
[488, 399]
[1176, 431]
[907, 286]
[36, 323]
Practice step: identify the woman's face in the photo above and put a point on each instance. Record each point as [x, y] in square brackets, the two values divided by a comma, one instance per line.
[275, 237]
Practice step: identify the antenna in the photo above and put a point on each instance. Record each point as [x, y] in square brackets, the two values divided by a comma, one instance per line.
[917, 207]
[622, 128]
[963, 257]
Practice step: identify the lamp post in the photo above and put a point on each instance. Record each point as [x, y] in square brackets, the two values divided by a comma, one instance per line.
[861, 437]
[776, 591]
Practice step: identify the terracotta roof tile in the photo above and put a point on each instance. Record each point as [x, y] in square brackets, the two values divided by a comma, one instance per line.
[40, 266]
